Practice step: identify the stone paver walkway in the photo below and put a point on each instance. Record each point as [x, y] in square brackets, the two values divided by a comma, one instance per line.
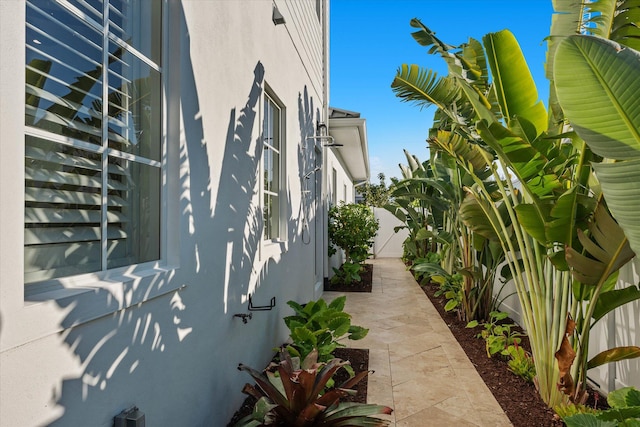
[420, 369]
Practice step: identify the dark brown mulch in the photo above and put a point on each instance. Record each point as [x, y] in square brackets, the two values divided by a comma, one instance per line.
[518, 398]
[364, 285]
[359, 360]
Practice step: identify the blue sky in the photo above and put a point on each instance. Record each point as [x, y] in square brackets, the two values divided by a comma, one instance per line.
[370, 39]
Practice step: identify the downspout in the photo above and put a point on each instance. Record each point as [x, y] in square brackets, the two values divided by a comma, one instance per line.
[325, 149]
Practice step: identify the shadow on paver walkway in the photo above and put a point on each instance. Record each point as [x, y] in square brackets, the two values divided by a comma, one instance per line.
[420, 369]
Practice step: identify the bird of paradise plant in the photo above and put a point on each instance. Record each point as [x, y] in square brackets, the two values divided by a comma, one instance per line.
[543, 198]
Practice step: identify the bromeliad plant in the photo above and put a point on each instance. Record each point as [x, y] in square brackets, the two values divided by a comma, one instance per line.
[318, 326]
[292, 394]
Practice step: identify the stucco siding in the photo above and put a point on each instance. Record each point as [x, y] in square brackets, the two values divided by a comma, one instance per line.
[168, 341]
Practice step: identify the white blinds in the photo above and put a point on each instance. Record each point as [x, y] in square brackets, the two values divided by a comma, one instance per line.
[92, 149]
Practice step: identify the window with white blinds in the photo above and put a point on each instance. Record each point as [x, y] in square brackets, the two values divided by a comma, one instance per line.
[93, 144]
[271, 168]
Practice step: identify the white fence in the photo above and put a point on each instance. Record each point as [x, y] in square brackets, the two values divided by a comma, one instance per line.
[388, 243]
[619, 328]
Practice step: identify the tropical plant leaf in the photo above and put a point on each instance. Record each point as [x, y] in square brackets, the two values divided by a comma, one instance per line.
[533, 223]
[349, 409]
[430, 268]
[587, 420]
[338, 303]
[616, 20]
[607, 247]
[480, 217]
[614, 355]
[620, 184]
[424, 88]
[567, 20]
[357, 332]
[515, 88]
[339, 325]
[624, 397]
[303, 334]
[597, 85]
[458, 64]
[626, 417]
[523, 158]
[613, 299]
[477, 158]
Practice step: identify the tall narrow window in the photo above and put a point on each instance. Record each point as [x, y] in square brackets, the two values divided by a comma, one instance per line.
[334, 187]
[271, 168]
[93, 145]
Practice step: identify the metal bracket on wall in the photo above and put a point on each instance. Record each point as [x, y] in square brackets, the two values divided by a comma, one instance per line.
[262, 307]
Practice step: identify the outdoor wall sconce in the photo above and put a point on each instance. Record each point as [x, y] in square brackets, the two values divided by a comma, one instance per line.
[322, 135]
[277, 17]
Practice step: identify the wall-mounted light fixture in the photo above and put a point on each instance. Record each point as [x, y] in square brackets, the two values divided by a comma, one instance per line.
[322, 135]
[277, 17]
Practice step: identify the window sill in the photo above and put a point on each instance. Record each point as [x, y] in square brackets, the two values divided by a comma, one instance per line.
[273, 248]
[98, 295]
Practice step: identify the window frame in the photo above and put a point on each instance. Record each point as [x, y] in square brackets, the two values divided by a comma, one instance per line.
[281, 236]
[151, 278]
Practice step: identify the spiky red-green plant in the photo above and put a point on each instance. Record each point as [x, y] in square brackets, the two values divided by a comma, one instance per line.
[291, 394]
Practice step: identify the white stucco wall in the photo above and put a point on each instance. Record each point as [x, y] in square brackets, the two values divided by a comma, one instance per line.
[166, 340]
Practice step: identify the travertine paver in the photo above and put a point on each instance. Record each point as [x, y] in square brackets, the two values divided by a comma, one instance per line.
[420, 369]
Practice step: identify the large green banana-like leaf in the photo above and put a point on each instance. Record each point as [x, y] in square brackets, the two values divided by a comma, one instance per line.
[602, 13]
[477, 159]
[474, 53]
[527, 162]
[423, 87]
[597, 85]
[480, 217]
[616, 20]
[610, 300]
[512, 80]
[533, 221]
[567, 20]
[614, 355]
[621, 185]
[607, 247]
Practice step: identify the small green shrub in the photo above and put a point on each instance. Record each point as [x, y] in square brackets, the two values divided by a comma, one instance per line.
[319, 326]
[497, 336]
[520, 362]
[347, 273]
[451, 287]
[352, 228]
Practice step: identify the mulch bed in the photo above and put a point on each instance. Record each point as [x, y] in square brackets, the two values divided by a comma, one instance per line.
[364, 285]
[359, 359]
[518, 398]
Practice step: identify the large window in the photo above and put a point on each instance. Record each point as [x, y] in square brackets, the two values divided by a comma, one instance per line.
[93, 145]
[271, 168]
